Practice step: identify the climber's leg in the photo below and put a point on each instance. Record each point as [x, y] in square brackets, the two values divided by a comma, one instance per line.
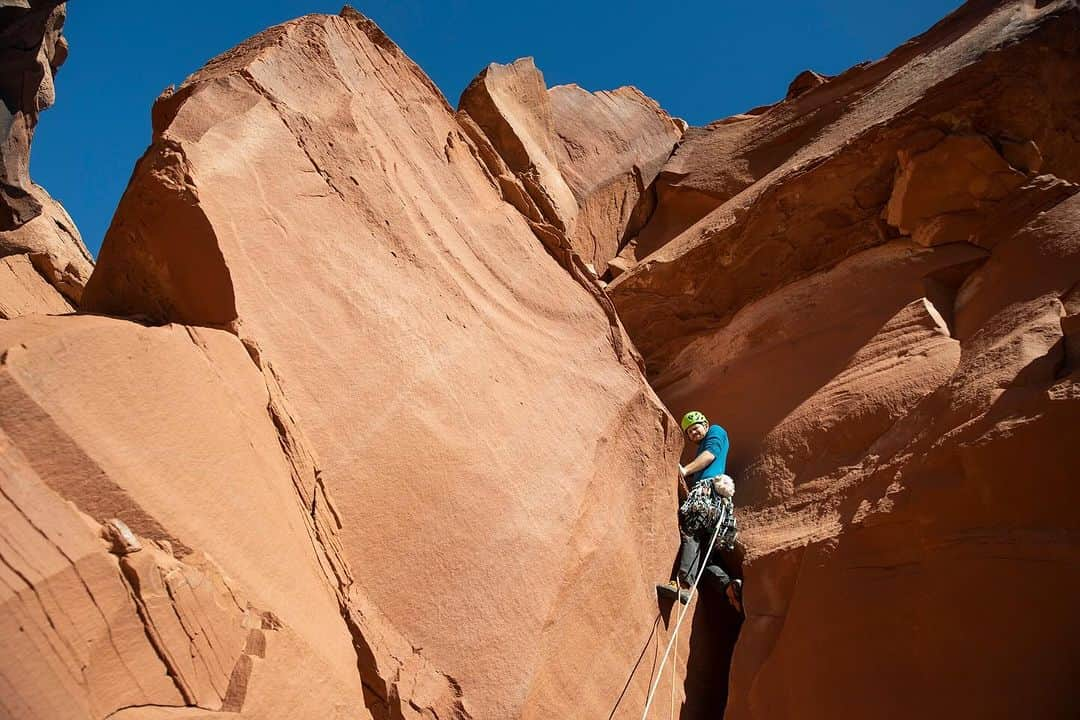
[734, 594]
[689, 559]
[671, 590]
[716, 576]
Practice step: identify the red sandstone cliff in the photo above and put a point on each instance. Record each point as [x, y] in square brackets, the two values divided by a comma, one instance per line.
[322, 277]
[873, 285]
[394, 421]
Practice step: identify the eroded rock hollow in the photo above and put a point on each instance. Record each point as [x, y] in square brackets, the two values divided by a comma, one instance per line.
[364, 409]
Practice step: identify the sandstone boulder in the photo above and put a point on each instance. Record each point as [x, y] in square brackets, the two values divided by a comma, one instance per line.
[581, 163]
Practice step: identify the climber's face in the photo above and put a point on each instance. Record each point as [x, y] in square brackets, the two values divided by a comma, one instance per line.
[695, 433]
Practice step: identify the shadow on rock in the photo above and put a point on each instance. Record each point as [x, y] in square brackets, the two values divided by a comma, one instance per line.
[655, 658]
[714, 630]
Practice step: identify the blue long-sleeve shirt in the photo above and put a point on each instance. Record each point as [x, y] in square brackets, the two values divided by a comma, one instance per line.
[716, 442]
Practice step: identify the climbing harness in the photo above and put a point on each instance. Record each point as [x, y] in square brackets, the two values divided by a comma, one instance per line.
[721, 521]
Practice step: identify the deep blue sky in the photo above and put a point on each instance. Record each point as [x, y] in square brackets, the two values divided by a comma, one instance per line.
[701, 60]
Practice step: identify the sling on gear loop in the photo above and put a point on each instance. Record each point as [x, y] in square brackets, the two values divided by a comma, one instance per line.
[682, 613]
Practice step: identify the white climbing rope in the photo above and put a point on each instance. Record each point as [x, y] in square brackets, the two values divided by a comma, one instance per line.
[682, 614]
[674, 673]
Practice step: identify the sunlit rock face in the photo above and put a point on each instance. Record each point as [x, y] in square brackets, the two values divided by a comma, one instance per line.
[579, 164]
[465, 401]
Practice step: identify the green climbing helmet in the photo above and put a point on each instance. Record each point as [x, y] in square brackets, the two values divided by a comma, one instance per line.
[692, 418]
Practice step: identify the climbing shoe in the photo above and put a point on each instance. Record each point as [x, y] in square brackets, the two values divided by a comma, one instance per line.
[671, 590]
[734, 595]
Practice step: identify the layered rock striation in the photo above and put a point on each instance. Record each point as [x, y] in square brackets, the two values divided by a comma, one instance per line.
[796, 187]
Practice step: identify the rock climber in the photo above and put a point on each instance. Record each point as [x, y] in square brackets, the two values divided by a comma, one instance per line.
[705, 492]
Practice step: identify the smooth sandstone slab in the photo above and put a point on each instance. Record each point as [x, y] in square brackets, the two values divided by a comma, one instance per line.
[89, 635]
[169, 429]
[23, 290]
[461, 393]
[72, 644]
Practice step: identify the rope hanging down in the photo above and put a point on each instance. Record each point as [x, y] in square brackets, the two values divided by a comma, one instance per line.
[674, 674]
[682, 614]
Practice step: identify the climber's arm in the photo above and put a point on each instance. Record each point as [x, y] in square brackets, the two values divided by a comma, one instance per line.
[702, 461]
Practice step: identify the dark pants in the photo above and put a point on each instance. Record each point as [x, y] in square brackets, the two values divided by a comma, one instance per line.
[692, 553]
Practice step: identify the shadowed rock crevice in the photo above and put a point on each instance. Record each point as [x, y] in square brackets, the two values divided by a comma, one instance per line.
[713, 634]
[64, 466]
